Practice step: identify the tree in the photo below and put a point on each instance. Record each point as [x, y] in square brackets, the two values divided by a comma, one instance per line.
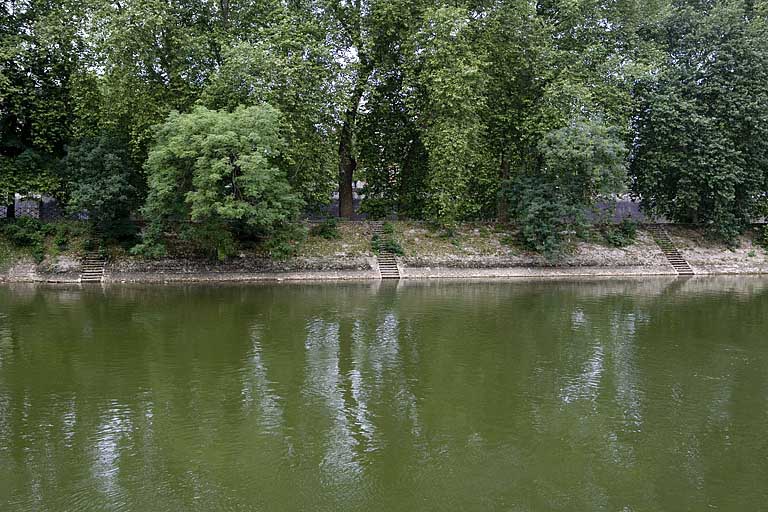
[452, 76]
[39, 53]
[392, 158]
[156, 56]
[701, 142]
[101, 180]
[286, 64]
[348, 37]
[214, 176]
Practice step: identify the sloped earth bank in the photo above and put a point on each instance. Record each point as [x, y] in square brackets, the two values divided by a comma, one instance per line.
[471, 251]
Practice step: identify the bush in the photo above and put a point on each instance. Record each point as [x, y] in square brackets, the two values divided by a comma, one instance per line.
[28, 233]
[217, 174]
[620, 235]
[543, 216]
[328, 229]
[579, 164]
[286, 242]
[23, 232]
[444, 229]
[65, 232]
[386, 244]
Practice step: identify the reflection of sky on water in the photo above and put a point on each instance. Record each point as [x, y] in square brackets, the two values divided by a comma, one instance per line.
[112, 433]
[324, 382]
[69, 422]
[626, 378]
[256, 388]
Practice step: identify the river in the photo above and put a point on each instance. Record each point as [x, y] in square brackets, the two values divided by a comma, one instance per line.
[615, 395]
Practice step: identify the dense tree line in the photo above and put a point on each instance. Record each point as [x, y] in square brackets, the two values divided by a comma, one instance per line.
[224, 120]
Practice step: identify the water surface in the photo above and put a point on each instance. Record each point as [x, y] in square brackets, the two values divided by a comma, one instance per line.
[599, 395]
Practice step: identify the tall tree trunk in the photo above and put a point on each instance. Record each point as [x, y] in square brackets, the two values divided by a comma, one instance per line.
[503, 204]
[10, 208]
[347, 162]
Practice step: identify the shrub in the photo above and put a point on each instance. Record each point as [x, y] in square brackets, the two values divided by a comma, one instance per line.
[217, 174]
[579, 164]
[23, 232]
[285, 243]
[620, 235]
[28, 233]
[386, 244]
[328, 229]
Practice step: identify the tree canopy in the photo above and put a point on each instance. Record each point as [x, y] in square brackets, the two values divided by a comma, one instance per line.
[447, 111]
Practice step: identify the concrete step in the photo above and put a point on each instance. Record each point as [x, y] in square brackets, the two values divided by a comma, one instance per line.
[93, 266]
[387, 261]
[670, 251]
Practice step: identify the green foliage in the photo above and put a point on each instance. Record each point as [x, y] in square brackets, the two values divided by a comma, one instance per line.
[27, 233]
[620, 235]
[764, 238]
[328, 229]
[30, 172]
[451, 83]
[386, 244]
[39, 51]
[102, 182]
[448, 112]
[701, 146]
[63, 236]
[23, 232]
[291, 70]
[42, 238]
[216, 173]
[580, 163]
[542, 214]
[387, 241]
[9, 253]
[157, 55]
[285, 243]
[586, 160]
[393, 160]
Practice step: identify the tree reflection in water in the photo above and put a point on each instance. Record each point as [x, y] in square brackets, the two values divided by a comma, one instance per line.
[429, 396]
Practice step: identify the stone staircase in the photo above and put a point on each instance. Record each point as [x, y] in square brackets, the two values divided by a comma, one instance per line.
[661, 237]
[94, 263]
[387, 260]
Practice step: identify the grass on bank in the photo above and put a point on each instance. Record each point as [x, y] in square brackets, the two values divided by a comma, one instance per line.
[350, 239]
[32, 240]
[421, 239]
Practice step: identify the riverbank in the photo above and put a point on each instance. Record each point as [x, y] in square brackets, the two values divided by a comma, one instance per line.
[472, 251]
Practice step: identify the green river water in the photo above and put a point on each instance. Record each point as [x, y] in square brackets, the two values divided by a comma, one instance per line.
[646, 395]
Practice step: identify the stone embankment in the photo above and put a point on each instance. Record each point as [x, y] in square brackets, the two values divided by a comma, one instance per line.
[424, 259]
